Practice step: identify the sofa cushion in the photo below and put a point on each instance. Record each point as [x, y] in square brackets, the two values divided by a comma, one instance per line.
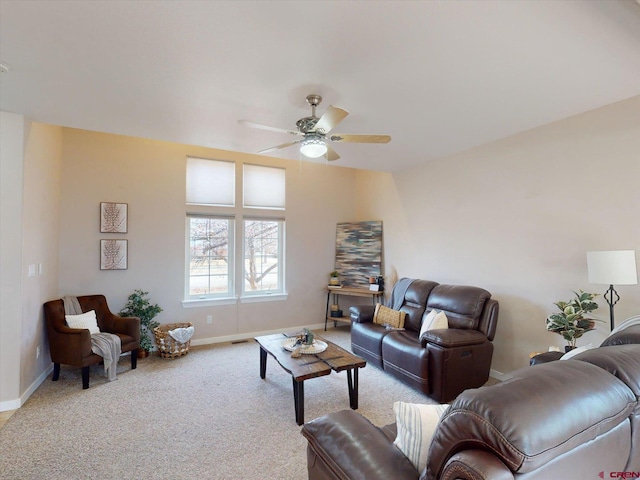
[416, 424]
[388, 316]
[84, 320]
[415, 302]
[462, 304]
[366, 341]
[404, 358]
[579, 402]
[434, 320]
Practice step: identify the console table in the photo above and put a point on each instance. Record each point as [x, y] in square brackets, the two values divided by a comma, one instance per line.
[350, 292]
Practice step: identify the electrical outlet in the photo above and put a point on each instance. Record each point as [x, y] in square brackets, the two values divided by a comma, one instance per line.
[209, 319]
[38, 352]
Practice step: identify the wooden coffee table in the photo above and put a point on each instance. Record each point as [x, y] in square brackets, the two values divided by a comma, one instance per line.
[307, 366]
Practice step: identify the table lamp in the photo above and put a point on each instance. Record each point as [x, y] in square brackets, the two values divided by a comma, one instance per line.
[616, 267]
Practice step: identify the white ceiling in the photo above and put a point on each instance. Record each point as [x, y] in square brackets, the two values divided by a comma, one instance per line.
[438, 76]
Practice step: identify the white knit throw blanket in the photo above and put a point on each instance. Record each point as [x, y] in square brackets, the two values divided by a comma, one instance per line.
[107, 345]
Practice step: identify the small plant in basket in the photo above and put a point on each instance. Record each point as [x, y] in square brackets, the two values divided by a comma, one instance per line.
[138, 305]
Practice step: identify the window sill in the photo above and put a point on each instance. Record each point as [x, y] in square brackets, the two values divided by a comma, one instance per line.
[209, 302]
[275, 297]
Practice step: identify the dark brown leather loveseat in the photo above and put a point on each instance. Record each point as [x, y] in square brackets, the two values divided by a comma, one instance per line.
[441, 363]
[572, 419]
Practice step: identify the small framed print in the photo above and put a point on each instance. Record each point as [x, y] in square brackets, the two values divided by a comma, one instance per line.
[113, 217]
[113, 254]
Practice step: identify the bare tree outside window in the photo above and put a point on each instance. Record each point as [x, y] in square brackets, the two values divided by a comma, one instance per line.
[209, 255]
[261, 255]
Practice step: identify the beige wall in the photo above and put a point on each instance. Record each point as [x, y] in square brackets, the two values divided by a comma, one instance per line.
[11, 174]
[41, 200]
[150, 177]
[517, 218]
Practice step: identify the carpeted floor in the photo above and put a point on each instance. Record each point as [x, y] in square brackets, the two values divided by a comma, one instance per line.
[205, 415]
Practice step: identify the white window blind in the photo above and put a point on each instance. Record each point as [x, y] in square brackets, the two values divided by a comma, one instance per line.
[210, 182]
[264, 187]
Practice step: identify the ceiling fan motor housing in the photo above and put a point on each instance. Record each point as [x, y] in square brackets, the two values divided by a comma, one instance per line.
[307, 124]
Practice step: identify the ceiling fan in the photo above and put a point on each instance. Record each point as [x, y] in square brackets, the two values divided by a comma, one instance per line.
[315, 132]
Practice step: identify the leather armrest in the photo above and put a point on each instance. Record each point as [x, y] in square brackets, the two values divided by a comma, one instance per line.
[362, 313]
[127, 326]
[623, 337]
[473, 465]
[545, 357]
[453, 337]
[69, 345]
[352, 447]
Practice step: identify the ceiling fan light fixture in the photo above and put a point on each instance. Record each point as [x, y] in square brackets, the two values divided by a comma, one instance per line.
[313, 146]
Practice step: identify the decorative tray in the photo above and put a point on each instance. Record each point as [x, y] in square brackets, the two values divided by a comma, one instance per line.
[318, 346]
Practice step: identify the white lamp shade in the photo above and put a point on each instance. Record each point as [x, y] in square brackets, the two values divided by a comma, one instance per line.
[313, 146]
[617, 267]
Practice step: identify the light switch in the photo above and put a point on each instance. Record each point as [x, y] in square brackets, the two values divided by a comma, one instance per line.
[32, 270]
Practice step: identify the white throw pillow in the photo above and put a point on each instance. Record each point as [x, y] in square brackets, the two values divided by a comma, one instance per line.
[416, 424]
[576, 351]
[86, 320]
[434, 320]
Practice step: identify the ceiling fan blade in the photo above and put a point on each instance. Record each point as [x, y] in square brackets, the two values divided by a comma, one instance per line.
[278, 147]
[331, 154]
[329, 119]
[339, 137]
[247, 123]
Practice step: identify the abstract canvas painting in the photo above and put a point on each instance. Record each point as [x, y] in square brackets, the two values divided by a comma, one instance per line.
[358, 252]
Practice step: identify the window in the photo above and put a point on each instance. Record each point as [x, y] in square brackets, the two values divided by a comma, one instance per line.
[263, 260]
[214, 235]
[210, 257]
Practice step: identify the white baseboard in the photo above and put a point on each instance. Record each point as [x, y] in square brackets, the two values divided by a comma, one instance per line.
[245, 336]
[18, 402]
[499, 375]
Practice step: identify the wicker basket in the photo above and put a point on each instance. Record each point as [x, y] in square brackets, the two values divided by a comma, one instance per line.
[168, 347]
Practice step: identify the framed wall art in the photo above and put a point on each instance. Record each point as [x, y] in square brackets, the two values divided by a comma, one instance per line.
[113, 254]
[358, 252]
[113, 217]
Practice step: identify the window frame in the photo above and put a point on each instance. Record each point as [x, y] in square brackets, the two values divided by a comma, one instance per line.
[237, 213]
[281, 290]
[231, 261]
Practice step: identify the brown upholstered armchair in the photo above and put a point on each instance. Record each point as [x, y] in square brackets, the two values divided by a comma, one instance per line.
[72, 346]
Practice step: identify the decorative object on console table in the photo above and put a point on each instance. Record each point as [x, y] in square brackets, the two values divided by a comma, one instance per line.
[139, 306]
[334, 278]
[617, 267]
[570, 321]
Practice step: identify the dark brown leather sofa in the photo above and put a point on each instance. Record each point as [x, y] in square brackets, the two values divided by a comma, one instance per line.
[72, 346]
[572, 419]
[442, 363]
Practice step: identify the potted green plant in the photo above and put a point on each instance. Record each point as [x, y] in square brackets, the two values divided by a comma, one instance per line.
[334, 278]
[570, 321]
[138, 305]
